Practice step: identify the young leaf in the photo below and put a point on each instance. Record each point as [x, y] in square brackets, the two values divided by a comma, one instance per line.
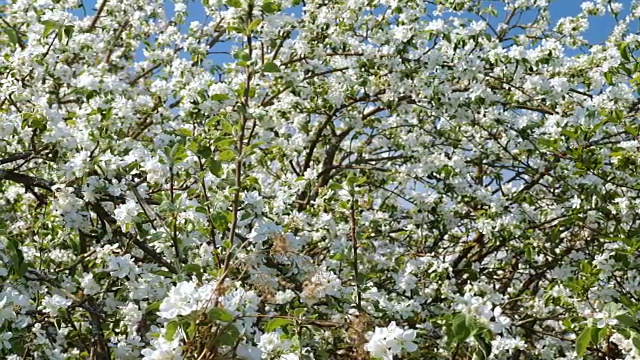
[226, 155]
[242, 55]
[254, 25]
[628, 321]
[219, 97]
[462, 327]
[220, 221]
[49, 26]
[12, 35]
[582, 342]
[276, 323]
[215, 167]
[172, 327]
[635, 339]
[484, 345]
[228, 336]
[204, 152]
[191, 268]
[270, 67]
[219, 314]
[624, 51]
[269, 7]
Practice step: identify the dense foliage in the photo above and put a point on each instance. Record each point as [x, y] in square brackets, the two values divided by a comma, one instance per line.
[321, 179]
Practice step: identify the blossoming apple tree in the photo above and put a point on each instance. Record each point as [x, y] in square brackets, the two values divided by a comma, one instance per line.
[286, 179]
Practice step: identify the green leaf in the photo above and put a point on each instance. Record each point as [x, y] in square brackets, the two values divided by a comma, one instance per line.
[553, 144]
[215, 167]
[227, 127]
[624, 51]
[484, 346]
[167, 207]
[628, 321]
[204, 152]
[226, 155]
[567, 323]
[12, 35]
[625, 300]
[49, 26]
[218, 314]
[254, 25]
[68, 31]
[228, 337]
[192, 268]
[191, 329]
[597, 334]
[153, 307]
[177, 153]
[529, 252]
[219, 97]
[612, 309]
[185, 132]
[75, 245]
[18, 265]
[269, 7]
[235, 29]
[478, 355]
[352, 180]
[569, 133]
[609, 78]
[631, 130]
[164, 273]
[462, 327]
[276, 323]
[242, 55]
[270, 67]
[220, 221]
[224, 142]
[172, 327]
[234, 3]
[582, 342]
[39, 123]
[635, 339]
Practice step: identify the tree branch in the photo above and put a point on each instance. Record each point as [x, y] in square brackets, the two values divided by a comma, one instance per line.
[26, 180]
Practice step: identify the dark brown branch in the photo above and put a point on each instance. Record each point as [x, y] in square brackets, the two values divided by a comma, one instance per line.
[16, 157]
[99, 347]
[94, 22]
[105, 217]
[26, 180]
[145, 73]
[107, 58]
[269, 101]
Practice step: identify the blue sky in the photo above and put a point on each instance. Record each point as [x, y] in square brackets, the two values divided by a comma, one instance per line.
[600, 26]
[599, 30]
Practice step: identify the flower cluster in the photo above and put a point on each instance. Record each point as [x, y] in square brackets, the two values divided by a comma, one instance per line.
[384, 343]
